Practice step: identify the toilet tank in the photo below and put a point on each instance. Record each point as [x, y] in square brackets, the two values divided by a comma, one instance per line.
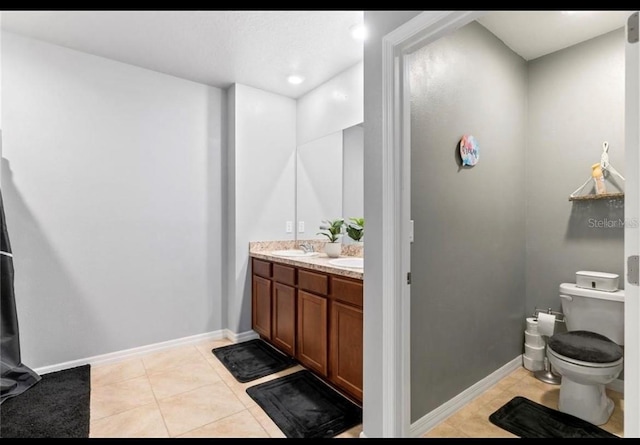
[593, 310]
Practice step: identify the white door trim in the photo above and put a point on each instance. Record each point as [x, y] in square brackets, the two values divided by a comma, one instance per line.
[423, 28]
[632, 239]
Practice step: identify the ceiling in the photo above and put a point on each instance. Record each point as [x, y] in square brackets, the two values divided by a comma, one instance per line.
[261, 48]
[218, 48]
[533, 34]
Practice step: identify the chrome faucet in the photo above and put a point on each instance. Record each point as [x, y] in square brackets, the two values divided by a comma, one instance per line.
[306, 247]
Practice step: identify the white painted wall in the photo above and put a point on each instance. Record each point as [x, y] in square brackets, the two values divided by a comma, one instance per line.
[333, 106]
[322, 115]
[111, 176]
[319, 183]
[353, 173]
[262, 155]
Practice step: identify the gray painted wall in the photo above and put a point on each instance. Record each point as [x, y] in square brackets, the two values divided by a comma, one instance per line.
[111, 176]
[576, 101]
[467, 260]
[540, 127]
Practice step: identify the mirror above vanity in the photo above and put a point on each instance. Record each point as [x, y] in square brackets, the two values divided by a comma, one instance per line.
[329, 181]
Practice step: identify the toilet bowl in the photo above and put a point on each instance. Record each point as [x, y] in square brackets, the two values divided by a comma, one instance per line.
[588, 355]
[585, 371]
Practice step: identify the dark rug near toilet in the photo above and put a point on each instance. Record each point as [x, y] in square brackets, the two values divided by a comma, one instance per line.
[252, 359]
[528, 419]
[305, 407]
[55, 407]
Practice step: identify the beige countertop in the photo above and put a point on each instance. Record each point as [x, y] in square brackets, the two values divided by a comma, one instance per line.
[262, 250]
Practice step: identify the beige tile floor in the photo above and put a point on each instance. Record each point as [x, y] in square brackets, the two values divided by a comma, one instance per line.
[152, 396]
[472, 420]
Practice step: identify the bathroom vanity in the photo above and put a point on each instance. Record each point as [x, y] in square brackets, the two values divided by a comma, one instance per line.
[312, 311]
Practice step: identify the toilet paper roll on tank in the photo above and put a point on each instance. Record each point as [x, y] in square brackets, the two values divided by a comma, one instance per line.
[546, 324]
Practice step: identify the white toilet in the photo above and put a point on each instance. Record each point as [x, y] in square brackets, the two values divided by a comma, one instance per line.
[588, 356]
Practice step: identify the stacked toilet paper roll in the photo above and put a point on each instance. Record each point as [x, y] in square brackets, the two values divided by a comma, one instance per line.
[533, 357]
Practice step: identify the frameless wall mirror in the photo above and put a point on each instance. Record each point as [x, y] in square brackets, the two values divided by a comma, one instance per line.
[329, 180]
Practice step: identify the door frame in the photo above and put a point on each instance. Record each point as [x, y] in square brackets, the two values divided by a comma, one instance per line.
[424, 28]
[631, 235]
[421, 30]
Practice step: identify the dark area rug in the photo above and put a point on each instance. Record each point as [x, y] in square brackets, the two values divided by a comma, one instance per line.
[528, 419]
[55, 407]
[305, 407]
[252, 359]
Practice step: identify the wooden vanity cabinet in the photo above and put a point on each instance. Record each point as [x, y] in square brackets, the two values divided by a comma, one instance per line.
[313, 316]
[283, 318]
[346, 335]
[261, 298]
[313, 288]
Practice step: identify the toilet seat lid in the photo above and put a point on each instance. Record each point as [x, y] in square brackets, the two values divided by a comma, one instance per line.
[581, 363]
[585, 346]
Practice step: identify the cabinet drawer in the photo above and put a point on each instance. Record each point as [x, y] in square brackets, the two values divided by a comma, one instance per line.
[347, 291]
[262, 268]
[313, 282]
[284, 274]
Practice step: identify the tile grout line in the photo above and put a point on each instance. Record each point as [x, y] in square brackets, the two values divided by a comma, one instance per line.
[173, 395]
[115, 383]
[155, 397]
[246, 407]
[232, 392]
[156, 400]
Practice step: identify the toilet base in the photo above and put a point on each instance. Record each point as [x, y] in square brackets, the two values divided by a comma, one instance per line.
[588, 402]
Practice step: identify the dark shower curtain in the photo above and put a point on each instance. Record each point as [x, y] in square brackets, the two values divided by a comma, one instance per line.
[16, 377]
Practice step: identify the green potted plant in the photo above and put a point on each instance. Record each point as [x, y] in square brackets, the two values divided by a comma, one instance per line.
[355, 229]
[332, 229]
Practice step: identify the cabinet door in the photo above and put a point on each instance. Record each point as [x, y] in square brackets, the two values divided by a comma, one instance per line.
[284, 318]
[345, 365]
[261, 301]
[312, 331]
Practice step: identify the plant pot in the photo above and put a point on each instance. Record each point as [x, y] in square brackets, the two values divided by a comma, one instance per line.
[333, 250]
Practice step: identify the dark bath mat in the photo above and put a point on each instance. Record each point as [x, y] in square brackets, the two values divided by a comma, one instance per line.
[305, 407]
[529, 419]
[55, 407]
[252, 359]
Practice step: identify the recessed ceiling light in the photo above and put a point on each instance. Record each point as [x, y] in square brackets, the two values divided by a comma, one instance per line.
[296, 80]
[358, 32]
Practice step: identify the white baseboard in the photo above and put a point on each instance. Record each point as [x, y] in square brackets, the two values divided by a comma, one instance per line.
[431, 419]
[241, 337]
[133, 352]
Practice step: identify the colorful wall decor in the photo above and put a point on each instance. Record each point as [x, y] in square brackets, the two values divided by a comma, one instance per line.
[469, 150]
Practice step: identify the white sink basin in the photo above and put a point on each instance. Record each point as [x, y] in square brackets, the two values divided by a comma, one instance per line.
[294, 253]
[356, 263]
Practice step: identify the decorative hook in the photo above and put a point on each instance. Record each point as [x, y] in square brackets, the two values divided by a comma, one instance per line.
[604, 159]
